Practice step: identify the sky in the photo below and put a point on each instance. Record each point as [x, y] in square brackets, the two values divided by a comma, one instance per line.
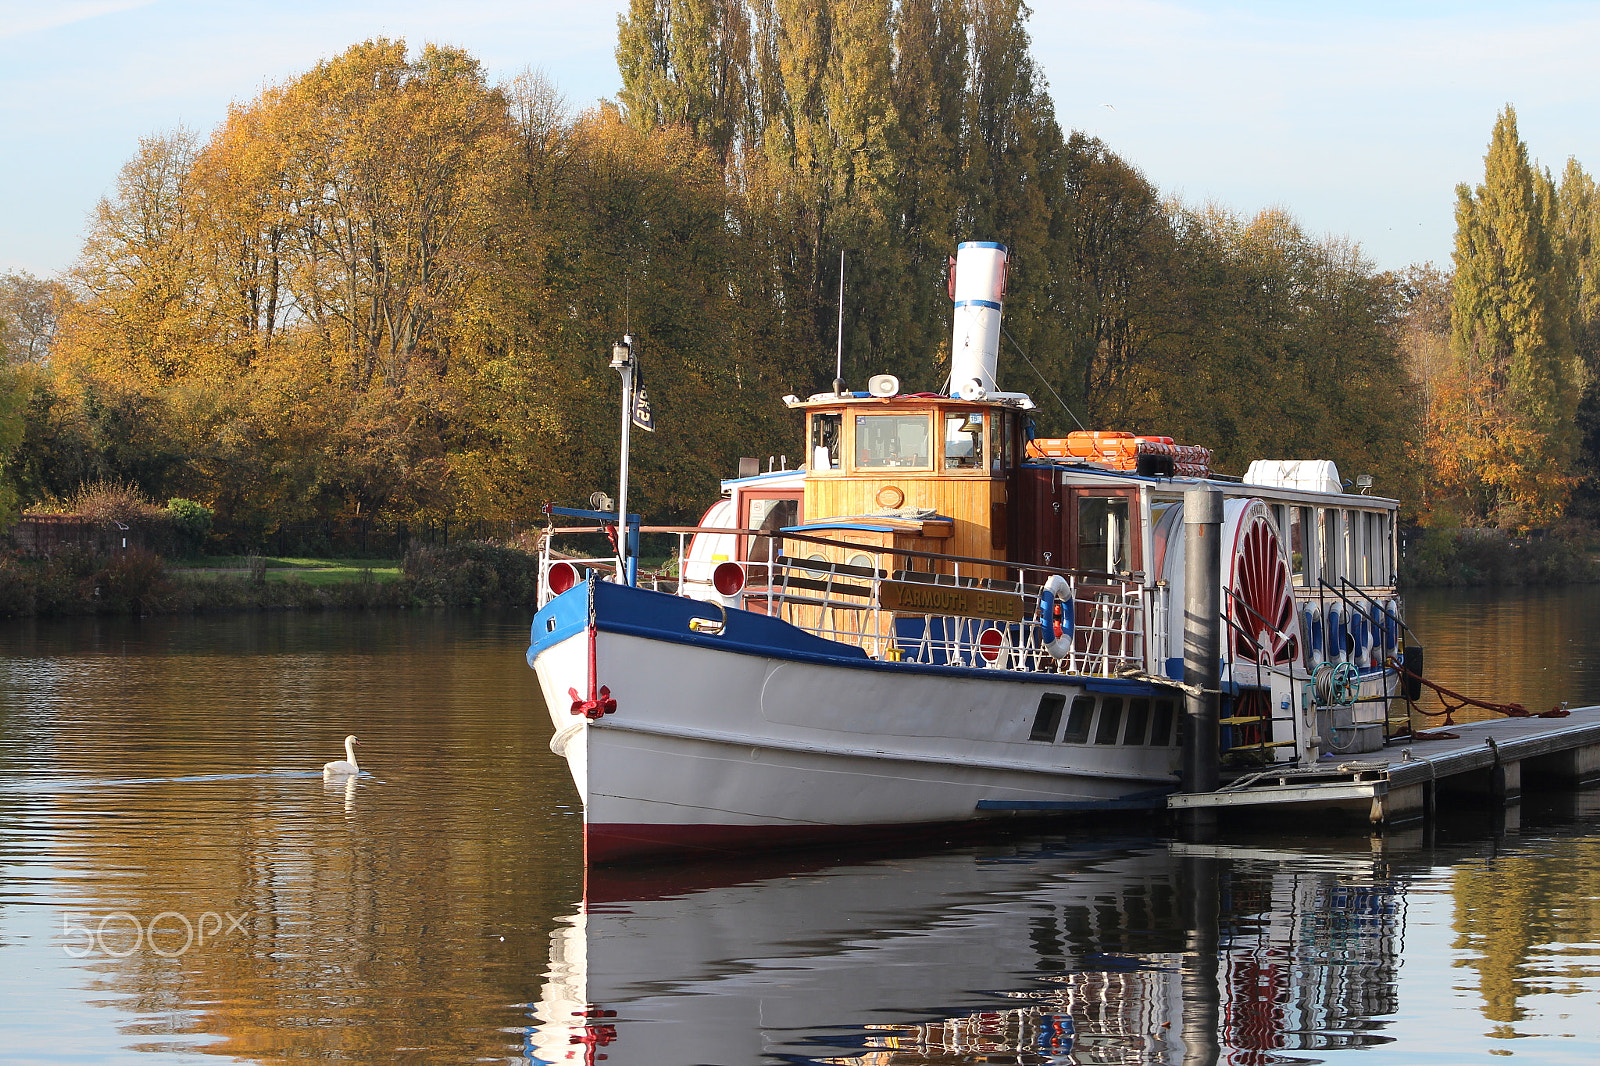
[1358, 118]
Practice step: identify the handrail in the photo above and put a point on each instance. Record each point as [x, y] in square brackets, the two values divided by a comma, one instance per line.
[1107, 577]
[1380, 606]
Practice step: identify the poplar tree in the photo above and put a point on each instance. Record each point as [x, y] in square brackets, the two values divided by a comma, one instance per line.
[1579, 243]
[687, 63]
[1505, 432]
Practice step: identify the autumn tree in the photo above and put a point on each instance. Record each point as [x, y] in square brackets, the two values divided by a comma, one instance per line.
[30, 311]
[1504, 428]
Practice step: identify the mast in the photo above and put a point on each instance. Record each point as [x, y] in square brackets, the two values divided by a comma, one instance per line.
[623, 363]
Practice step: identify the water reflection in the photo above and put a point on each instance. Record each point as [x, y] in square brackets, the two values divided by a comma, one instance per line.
[1136, 954]
[177, 879]
[1535, 646]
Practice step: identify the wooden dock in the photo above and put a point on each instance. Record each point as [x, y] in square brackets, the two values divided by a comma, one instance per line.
[1491, 761]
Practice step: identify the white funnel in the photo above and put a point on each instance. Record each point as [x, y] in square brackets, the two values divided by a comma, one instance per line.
[979, 290]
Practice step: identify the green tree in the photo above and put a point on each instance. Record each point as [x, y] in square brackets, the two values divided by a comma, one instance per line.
[687, 63]
[1510, 429]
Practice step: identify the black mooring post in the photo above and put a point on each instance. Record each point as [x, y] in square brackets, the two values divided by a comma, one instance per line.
[1202, 649]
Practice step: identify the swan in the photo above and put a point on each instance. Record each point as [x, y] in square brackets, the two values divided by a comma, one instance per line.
[346, 765]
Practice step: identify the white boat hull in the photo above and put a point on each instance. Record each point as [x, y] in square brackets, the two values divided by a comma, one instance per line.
[724, 747]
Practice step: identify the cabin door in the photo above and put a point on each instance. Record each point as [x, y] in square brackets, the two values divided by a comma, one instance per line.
[769, 510]
[1102, 535]
[1103, 530]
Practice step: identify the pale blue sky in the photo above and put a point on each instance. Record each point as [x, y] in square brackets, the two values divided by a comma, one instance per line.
[1359, 118]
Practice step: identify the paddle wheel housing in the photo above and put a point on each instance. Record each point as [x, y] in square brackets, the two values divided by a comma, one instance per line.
[1258, 597]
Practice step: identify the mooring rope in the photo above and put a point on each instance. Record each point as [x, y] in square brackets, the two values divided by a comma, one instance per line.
[1451, 702]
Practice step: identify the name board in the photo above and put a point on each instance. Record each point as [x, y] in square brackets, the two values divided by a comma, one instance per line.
[913, 597]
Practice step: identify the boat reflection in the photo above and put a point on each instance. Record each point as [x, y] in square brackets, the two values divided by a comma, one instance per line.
[1135, 953]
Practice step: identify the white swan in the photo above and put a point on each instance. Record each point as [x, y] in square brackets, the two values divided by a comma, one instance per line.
[347, 765]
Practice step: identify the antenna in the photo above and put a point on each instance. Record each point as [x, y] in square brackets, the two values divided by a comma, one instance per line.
[838, 358]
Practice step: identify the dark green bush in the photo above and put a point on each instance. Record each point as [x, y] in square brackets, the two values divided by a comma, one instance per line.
[1490, 557]
[472, 573]
[190, 526]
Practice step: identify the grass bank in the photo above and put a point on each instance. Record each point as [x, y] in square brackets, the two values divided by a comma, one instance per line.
[1470, 557]
[137, 582]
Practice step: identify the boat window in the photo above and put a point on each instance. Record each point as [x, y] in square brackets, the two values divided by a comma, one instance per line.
[1362, 525]
[825, 441]
[1327, 534]
[1161, 726]
[1138, 721]
[1103, 533]
[1110, 720]
[1298, 521]
[768, 515]
[1380, 549]
[1078, 721]
[1048, 718]
[891, 440]
[963, 441]
[1000, 457]
[1347, 543]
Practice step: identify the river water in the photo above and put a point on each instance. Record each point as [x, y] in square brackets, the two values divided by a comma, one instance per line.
[177, 883]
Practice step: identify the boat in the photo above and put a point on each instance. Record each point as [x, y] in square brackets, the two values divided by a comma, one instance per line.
[939, 619]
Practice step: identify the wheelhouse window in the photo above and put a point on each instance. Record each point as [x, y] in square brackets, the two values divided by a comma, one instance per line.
[963, 441]
[825, 441]
[1001, 455]
[899, 441]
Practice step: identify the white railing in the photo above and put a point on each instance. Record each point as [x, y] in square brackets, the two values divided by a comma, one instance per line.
[1119, 626]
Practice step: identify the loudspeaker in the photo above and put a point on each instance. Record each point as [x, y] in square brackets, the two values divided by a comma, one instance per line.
[883, 385]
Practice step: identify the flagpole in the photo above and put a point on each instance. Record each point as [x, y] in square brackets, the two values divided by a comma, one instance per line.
[622, 362]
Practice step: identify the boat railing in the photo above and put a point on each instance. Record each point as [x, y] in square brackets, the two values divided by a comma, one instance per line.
[913, 606]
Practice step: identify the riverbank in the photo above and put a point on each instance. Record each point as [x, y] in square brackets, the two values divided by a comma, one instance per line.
[1461, 558]
[137, 582]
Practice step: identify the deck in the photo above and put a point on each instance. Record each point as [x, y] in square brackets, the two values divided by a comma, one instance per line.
[1492, 760]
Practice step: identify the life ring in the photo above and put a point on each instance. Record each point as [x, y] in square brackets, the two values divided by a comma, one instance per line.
[1055, 617]
[1336, 634]
[1391, 627]
[1314, 631]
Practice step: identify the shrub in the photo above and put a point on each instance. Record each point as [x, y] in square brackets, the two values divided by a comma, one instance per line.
[17, 583]
[132, 582]
[1490, 557]
[472, 573]
[117, 501]
[190, 526]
